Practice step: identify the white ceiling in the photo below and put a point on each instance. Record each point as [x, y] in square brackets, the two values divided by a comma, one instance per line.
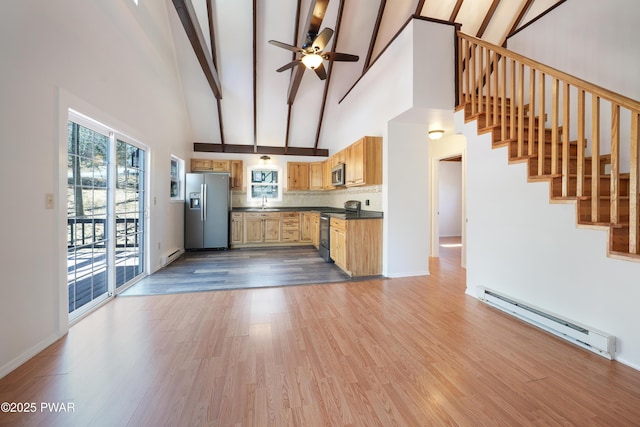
[276, 123]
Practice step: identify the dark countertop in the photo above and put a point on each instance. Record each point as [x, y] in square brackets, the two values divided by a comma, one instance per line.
[333, 212]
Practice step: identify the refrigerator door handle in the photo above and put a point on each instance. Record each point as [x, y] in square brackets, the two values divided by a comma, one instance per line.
[201, 202]
[204, 202]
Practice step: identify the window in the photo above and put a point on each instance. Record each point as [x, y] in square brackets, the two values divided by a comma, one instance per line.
[264, 183]
[176, 178]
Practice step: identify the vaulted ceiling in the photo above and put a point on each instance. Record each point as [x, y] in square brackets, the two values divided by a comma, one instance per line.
[237, 101]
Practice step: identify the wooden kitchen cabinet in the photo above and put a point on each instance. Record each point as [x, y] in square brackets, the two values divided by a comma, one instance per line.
[201, 165]
[290, 226]
[237, 228]
[272, 222]
[356, 246]
[234, 167]
[316, 176]
[326, 171]
[253, 228]
[262, 227]
[315, 229]
[339, 158]
[237, 174]
[297, 176]
[364, 162]
[338, 242]
[306, 226]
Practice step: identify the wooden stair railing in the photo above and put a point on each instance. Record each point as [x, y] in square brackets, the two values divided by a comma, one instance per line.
[556, 123]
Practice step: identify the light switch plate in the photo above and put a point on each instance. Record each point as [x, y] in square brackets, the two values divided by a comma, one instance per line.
[48, 201]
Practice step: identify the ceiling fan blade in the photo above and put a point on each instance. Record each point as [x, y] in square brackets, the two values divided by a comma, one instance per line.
[320, 71]
[289, 65]
[285, 46]
[321, 40]
[337, 56]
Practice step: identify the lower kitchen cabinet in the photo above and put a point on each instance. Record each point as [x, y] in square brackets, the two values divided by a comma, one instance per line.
[237, 228]
[254, 229]
[290, 226]
[262, 228]
[315, 229]
[306, 226]
[356, 246]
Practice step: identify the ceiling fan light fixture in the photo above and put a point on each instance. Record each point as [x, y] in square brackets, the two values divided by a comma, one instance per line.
[435, 134]
[312, 60]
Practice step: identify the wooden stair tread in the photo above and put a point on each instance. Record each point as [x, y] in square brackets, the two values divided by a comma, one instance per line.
[619, 234]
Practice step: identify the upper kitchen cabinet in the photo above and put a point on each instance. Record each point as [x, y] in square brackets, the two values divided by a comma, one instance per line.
[234, 167]
[209, 165]
[316, 175]
[364, 162]
[237, 180]
[297, 176]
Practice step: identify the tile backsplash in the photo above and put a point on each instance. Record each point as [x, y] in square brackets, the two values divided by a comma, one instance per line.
[333, 198]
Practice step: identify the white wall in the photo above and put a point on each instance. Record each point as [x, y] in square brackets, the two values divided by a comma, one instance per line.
[406, 232]
[115, 62]
[592, 39]
[523, 246]
[450, 198]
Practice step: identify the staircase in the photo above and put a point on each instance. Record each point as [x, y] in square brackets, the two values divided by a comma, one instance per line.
[581, 139]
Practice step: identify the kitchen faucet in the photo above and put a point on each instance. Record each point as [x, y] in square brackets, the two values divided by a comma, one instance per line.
[264, 202]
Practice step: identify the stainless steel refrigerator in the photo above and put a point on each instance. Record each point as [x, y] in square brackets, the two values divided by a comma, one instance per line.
[206, 214]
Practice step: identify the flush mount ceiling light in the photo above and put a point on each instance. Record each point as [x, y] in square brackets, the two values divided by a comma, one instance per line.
[435, 134]
[265, 158]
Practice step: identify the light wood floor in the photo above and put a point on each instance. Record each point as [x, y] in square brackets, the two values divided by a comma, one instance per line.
[407, 352]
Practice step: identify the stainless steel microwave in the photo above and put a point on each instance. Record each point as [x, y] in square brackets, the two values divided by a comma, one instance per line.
[337, 175]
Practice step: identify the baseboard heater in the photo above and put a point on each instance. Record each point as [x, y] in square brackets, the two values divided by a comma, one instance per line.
[589, 338]
[171, 257]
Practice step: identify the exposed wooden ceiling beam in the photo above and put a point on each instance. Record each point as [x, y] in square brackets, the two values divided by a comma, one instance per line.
[255, 77]
[312, 25]
[456, 10]
[328, 81]
[374, 35]
[487, 18]
[187, 16]
[293, 57]
[203, 147]
[214, 58]
[524, 8]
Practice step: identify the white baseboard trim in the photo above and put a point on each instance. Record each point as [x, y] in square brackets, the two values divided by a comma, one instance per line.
[409, 274]
[25, 356]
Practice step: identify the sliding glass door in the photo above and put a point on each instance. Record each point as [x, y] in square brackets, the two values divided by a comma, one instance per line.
[129, 212]
[105, 213]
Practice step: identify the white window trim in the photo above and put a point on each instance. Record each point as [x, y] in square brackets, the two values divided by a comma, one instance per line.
[181, 179]
[280, 182]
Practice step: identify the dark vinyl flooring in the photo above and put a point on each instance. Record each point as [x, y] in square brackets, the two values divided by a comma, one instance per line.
[239, 269]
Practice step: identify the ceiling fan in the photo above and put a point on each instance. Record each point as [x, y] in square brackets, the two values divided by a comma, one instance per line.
[312, 55]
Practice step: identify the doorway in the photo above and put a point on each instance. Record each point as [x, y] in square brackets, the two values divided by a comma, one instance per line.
[448, 219]
[106, 192]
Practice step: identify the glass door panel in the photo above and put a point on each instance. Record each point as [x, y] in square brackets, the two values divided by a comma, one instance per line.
[87, 215]
[129, 210]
